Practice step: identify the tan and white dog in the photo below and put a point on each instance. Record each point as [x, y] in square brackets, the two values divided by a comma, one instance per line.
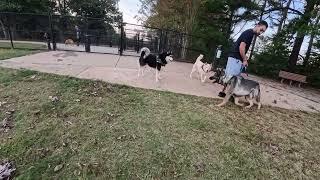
[202, 68]
[69, 42]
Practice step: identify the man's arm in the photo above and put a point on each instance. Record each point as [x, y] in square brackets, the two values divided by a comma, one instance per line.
[242, 50]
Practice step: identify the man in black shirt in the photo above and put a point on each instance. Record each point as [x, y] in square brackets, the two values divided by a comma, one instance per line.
[237, 59]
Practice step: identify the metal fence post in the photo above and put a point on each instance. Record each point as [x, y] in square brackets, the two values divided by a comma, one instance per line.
[142, 43]
[9, 31]
[161, 41]
[138, 42]
[54, 43]
[10, 35]
[52, 36]
[155, 45]
[121, 39]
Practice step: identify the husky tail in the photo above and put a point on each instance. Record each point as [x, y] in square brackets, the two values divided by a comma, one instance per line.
[258, 97]
[145, 52]
[199, 58]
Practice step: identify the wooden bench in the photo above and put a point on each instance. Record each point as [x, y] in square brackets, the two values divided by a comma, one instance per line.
[292, 77]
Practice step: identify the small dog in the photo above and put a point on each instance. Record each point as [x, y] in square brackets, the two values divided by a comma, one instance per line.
[69, 42]
[238, 87]
[201, 68]
[153, 61]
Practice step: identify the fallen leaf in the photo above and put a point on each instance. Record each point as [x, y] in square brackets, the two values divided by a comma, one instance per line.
[200, 167]
[37, 112]
[58, 168]
[2, 103]
[54, 98]
[10, 112]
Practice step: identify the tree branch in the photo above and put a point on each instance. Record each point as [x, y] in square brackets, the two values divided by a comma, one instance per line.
[283, 8]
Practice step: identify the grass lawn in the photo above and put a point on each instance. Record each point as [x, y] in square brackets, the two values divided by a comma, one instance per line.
[9, 53]
[19, 45]
[22, 49]
[105, 131]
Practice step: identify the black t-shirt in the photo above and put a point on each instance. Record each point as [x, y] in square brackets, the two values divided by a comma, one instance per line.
[246, 37]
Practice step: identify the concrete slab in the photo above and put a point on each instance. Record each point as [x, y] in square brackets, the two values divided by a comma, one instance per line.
[128, 62]
[68, 58]
[60, 69]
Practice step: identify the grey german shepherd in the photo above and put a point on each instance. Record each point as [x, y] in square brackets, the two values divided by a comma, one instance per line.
[238, 87]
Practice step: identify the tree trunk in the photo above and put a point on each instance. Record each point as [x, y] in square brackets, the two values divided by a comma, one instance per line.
[192, 8]
[255, 37]
[305, 19]
[308, 53]
[296, 50]
[284, 17]
[184, 47]
[230, 22]
[313, 34]
[3, 28]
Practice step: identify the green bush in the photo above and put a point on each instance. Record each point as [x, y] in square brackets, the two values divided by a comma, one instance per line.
[267, 65]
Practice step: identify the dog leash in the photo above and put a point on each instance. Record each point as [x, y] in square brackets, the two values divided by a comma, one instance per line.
[244, 70]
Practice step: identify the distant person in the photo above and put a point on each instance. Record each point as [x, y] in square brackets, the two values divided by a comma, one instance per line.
[47, 38]
[77, 35]
[237, 60]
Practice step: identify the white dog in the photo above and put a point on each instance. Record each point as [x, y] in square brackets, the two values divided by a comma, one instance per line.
[201, 68]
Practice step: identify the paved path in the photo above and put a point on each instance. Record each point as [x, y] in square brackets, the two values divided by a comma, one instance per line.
[123, 70]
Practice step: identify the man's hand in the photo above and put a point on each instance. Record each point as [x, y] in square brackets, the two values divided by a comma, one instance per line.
[245, 62]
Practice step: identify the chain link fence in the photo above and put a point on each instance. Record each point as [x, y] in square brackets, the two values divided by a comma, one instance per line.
[74, 33]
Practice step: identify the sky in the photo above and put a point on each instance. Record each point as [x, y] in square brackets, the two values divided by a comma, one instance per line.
[130, 9]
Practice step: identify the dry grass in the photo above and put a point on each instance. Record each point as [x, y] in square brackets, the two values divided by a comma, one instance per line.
[99, 130]
[11, 53]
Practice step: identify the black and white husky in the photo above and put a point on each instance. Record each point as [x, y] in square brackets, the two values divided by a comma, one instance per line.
[153, 61]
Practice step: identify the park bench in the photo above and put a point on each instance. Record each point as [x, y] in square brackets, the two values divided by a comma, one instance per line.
[292, 77]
